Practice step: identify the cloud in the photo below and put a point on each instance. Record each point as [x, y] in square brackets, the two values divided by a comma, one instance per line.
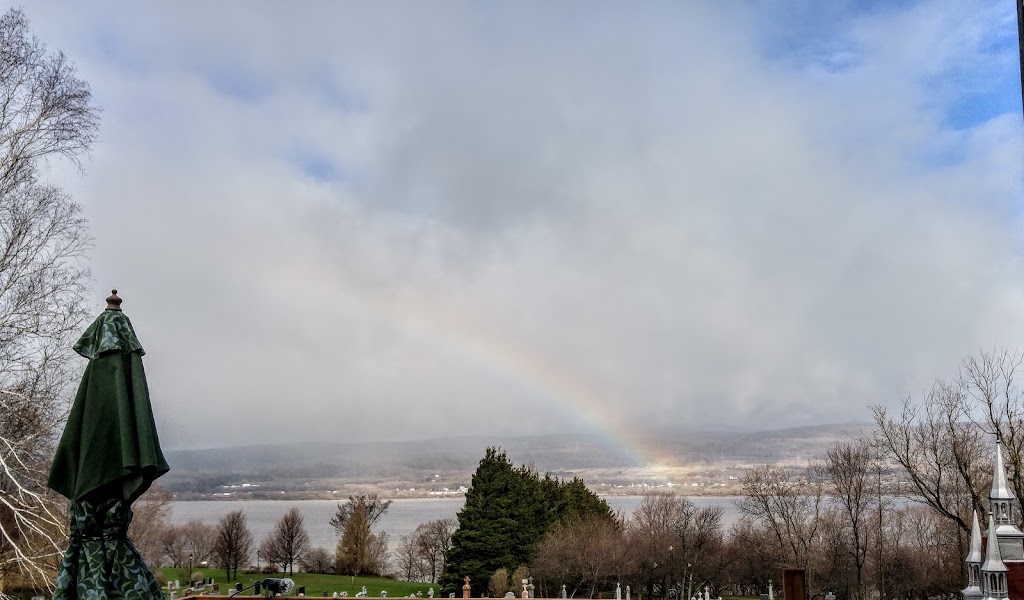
[339, 221]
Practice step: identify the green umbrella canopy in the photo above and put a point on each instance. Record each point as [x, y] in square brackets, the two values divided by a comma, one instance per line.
[108, 456]
[109, 446]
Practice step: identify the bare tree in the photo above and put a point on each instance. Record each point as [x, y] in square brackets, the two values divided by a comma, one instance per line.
[369, 506]
[942, 442]
[233, 546]
[789, 504]
[150, 522]
[755, 557]
[700, 541]
[499, 583]
[317, 560]
[989, 380]
[378, 555]
[584, 554]
[194, 538]
[289, 541]
[46, 112]
[522, 571]
[174, 548]
[354, 521]
[270, 552]
[433, 539]
[651, 532]
[847, 467]
[409, 560]
[200, 540]
[940, 449]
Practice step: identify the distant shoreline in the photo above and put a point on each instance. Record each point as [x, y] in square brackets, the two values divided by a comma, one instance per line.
[684, 491]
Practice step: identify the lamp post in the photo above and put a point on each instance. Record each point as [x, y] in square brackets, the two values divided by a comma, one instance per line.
[258, 561]
[671, 568]
[189, 569]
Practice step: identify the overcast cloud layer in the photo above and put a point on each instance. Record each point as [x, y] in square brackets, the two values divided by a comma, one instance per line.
[390, 221]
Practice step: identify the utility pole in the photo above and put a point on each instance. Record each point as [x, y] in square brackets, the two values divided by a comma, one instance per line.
[1020, 35]
[881, 564]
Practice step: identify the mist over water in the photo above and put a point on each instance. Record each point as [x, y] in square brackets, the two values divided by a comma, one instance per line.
[401, 519]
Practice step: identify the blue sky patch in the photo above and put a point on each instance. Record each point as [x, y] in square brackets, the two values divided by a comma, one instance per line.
[317, 166]
[233, 81]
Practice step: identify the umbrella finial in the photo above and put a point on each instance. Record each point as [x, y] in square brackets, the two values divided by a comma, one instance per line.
[113, 302]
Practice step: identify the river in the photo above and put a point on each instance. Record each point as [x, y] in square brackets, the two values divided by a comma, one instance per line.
[401, 519]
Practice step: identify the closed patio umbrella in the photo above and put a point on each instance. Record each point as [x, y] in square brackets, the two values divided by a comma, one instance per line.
[108, 456]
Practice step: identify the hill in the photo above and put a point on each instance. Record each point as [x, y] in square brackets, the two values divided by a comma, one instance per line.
[312, 469]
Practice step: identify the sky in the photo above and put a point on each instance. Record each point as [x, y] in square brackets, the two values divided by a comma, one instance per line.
[369, 220]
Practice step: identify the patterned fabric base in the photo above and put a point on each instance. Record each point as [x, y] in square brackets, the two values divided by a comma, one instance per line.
[101, 562]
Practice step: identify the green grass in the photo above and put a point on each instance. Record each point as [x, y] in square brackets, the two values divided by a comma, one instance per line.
[316, 584]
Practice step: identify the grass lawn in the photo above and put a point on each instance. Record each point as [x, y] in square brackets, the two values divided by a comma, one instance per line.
[316, 584]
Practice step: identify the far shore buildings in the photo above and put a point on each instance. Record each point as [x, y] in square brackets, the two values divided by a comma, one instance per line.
[996, 570]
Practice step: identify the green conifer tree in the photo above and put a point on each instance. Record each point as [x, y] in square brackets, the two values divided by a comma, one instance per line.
[507, 512]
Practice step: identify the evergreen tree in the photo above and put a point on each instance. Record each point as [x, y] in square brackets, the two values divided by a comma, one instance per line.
[507, 512]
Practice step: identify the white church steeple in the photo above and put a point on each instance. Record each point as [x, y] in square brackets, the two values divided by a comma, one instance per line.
[1001, 507]
[1001, 497]
[993, 570]
[974, 560]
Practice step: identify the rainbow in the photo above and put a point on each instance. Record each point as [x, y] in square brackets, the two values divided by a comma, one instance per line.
[454, 333]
